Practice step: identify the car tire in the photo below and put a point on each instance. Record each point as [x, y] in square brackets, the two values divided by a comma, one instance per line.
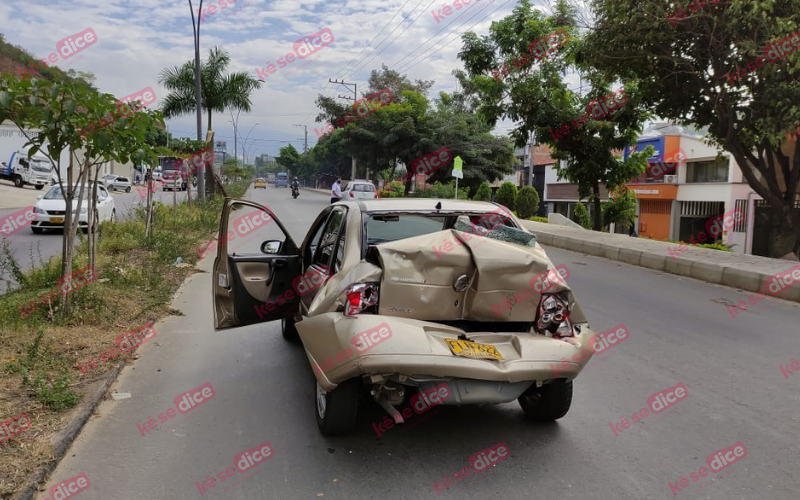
[548, 402]
[337, 410]
[289, 330]
[18, 182]
[36, 230]
[39, 187]
[127, 189]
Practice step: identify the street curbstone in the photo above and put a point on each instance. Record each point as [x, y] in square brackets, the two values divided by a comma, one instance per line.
[633, 257]
[654, 261]
[704, 271]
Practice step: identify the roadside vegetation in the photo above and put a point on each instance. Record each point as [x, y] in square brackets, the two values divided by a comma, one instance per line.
[40, 353]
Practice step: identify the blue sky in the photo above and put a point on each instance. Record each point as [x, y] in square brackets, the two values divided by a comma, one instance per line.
[138, 38]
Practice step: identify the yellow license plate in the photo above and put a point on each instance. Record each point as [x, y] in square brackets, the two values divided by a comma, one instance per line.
[56, 219]
[475, 350]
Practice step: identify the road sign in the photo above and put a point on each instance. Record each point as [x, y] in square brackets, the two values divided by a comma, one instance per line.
[458, 173]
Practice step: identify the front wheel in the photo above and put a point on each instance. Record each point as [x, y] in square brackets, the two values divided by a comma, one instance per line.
[18, 182]
[548, 402]
[128, 189]
[337, 410]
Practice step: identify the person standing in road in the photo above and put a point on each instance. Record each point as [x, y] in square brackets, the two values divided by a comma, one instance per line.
[336, 191]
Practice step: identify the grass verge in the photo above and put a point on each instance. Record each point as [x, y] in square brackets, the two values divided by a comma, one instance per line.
[40, 353]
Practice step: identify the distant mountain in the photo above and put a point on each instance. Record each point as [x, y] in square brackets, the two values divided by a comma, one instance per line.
[14, 58]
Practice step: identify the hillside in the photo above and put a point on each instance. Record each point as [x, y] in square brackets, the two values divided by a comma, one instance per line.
[13, 58]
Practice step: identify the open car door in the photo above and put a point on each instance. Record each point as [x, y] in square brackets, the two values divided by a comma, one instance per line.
[256, 264]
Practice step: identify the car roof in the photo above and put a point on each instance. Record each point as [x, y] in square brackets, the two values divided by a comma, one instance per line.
[423, 205]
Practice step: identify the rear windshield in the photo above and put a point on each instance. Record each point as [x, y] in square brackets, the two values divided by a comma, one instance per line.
[382, 228]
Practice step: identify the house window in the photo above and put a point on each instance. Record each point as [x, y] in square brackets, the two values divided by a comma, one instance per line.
[707, 171]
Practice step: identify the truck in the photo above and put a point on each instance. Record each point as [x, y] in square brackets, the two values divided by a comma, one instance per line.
[174, 177]
[22, 169]
[283, 180]
[271, 178]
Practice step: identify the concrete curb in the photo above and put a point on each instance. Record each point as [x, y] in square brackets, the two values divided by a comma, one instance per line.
[711, 266]
[64, 439]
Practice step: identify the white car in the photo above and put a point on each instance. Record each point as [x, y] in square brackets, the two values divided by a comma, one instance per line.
[359, 190]
[50, 209]
[116, 183]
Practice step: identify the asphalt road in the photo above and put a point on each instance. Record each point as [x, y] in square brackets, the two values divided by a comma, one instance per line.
[30, 249]
[680, 332]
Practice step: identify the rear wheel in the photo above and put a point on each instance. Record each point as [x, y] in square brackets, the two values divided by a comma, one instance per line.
[337, 409]
[548, 402]
[39, 187]
[128, 189]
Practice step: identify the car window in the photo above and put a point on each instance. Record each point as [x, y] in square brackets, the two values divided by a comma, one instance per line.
[337, 265]
[327, 243]
[382, 228]
[122, 179]
[102, 194]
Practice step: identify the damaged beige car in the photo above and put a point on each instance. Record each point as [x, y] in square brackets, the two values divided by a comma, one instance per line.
[395, 297]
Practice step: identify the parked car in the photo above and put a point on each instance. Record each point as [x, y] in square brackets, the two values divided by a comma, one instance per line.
[396, 297]
[117, 183]
[50, 209]
[260, 182]
[359, 190]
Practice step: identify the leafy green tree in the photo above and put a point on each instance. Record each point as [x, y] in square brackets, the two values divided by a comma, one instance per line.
[527, 202]
[539, 98]
[90, 126]
[484, 192]
[221, 91]
[689, 71]
[620, 209]
[581, 215]
[507, 195]
[289, 158]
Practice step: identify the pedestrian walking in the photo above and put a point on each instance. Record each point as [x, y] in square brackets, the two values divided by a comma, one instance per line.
[336, 191]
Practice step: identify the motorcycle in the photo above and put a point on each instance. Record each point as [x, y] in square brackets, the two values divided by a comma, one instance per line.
[295, 192]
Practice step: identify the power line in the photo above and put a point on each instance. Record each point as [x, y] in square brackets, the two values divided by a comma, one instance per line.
[452, 25]
[408, 67]
[354, 72]
[373, 39]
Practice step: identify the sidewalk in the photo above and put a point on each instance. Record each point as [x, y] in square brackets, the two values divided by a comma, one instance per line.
[736, 270]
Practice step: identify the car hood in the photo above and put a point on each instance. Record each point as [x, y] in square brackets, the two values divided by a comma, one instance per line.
[452, 275]
[57, 204]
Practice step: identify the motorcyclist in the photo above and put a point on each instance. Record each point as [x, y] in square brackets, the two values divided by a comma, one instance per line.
[295, 184]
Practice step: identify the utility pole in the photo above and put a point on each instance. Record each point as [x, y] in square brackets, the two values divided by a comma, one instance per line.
[305, 146]
[355, 96]
[201, 170]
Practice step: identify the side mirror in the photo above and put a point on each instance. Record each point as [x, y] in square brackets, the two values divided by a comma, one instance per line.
[271, 246]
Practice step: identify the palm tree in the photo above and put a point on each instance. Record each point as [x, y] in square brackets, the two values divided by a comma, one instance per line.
[220, 91]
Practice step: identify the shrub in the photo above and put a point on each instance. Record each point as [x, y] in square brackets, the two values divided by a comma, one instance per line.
[581, 216]
[620, 209]
[484, 192]
[507, 196]
[528, 202]
[394, 189]
[445, 191]
[538, 219]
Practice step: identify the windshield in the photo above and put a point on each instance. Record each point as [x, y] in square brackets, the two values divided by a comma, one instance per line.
[56, 194]
[41, 165]
[382, 228]
[391, 227]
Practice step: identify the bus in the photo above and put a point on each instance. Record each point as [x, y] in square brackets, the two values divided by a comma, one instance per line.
[282, 180]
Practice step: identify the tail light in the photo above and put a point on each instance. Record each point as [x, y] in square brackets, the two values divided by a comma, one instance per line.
[552, 315]
[352, 195]
[361, 298]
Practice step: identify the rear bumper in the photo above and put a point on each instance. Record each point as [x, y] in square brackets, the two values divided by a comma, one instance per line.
[417, 349]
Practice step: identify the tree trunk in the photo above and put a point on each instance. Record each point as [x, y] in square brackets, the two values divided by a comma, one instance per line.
[148, 223]
[597, 216]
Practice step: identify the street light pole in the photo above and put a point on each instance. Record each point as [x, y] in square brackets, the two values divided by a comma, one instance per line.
[355, 96]
[198, 102]
[244, 144]
[305, 144]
